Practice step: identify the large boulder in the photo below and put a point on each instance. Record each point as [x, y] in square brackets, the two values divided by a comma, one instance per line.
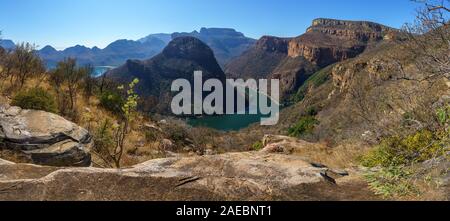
[232, 176]
[43, 138]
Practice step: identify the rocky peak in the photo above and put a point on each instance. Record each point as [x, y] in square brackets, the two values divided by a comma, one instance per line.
[273, 44]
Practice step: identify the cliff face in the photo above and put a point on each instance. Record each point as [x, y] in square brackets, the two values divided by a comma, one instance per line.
[294, 60]
[273, 44]
[328, 41]
[260, 60]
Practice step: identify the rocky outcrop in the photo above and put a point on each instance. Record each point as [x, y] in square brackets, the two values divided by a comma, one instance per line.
[328, 41]
[273, 44]
[232, 176]
[260, 60]
[43, 138]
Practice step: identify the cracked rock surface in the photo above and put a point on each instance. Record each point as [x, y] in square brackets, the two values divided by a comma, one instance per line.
[231, 176]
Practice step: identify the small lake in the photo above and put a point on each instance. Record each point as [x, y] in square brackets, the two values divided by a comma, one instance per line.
[231, 122]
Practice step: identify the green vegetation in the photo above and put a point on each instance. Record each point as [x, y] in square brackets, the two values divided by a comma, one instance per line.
[393, 181]
[112, 101]
[37, 99]
[109, 142]
[397, 151]
[316, 80]
[67, 80]
[257, 146]
[304, 126]
[393, 159]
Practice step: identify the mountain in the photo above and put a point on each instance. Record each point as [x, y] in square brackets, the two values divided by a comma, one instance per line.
[7, 44]
[179, 59]
[114, 54]
[294, 60]
[260, 60]
[226, 43]
[166, 38]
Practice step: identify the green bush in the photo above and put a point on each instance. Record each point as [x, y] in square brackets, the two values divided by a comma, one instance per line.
[391, 181]
[304, 126]
[257, 146]
[36, 99]
[396, 151]
[112, 101]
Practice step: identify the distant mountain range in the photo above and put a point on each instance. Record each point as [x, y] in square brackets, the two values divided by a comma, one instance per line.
[226, 44]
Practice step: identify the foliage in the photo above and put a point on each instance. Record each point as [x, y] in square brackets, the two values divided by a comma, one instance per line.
[66, 79]
[396, 151]
[393, 181]
[316, 80]
[37, 99]
[443, 117]
[112, 101]
[395, 156]
[304, 126]
[257, 146]
[20, 64]
[114, 135]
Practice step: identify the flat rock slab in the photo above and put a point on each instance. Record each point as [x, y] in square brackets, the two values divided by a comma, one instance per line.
[232, 176]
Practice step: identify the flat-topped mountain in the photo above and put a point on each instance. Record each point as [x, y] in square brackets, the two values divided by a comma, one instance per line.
[328, 40]
[179, 59]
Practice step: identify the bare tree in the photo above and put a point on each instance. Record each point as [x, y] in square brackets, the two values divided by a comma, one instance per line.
[66, 80]
[428, 38]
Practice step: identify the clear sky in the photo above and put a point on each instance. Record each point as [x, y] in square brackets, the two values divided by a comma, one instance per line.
[64, 23]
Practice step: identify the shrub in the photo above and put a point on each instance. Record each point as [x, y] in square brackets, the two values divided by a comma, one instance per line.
[396, 151]
[112, 101]
[257, 146]
[175, 132]
[391, 181]
[36, 99]
[304, 126]
[312, 111]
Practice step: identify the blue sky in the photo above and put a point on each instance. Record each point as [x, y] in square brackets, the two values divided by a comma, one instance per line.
[64, 23]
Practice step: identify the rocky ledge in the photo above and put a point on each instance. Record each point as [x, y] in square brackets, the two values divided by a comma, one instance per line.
[232, 176]
[43, 138]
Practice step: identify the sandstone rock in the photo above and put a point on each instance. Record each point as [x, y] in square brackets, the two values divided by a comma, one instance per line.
[328, 41]
[283, 144]
[44, 138]
[232, 176]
